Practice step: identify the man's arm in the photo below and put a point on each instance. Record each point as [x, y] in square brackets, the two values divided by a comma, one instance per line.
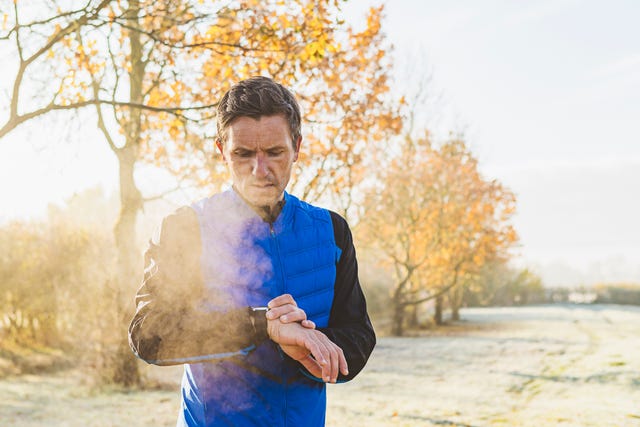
[349, 324]
[169, 326]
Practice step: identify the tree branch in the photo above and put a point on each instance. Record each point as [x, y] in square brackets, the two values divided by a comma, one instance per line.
[162, 195]
[441, 291]
[69, 29]
[16, 120]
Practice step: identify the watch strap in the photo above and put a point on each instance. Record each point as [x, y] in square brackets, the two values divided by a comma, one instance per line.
[258, 316]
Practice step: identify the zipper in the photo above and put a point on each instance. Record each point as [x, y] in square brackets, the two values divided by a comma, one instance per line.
[272, 232]
[285, 380]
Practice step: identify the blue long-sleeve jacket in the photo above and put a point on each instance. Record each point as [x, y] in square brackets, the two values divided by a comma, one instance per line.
[210, 263]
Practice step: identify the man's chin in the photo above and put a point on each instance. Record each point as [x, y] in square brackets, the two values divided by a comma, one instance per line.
[264, 197]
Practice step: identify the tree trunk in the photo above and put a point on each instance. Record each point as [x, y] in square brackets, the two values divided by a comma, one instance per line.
[399, 308]
[413, 316]
[398, 319]
[455, 312]
[125, 229]
[437, 316]
[129, 266]
[125, 371]
[455, 300]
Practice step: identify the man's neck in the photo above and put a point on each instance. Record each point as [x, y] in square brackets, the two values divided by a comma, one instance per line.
[270, 213]
[267, 213]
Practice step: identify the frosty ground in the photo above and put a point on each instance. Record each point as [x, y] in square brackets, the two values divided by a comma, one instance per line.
[557, 365]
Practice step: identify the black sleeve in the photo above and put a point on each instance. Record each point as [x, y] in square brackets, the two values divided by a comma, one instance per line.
[169, 326]
[349, 324]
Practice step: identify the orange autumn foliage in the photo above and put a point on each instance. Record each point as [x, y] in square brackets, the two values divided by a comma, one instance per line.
[435, 219]
[339, 75]
[157, 69]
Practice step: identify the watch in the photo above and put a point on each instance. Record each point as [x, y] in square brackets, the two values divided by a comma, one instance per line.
[258, 316]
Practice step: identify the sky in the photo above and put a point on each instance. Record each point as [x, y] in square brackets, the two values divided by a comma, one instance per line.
[547, 94]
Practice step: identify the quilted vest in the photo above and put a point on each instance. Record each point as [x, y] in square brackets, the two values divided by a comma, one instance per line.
[247, 262]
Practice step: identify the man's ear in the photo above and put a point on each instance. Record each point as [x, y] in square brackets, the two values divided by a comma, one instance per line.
[220, 148]
[298, 143]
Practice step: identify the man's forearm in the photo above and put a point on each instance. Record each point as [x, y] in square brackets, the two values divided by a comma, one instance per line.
[169, 337]
[169, 327]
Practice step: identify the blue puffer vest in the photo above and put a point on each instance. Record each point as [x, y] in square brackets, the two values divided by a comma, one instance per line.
[247, 262]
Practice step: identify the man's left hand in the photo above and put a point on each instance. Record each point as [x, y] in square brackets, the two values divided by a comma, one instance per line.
[285, 310]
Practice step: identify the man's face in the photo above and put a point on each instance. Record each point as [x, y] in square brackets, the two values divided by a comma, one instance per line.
[260, 154]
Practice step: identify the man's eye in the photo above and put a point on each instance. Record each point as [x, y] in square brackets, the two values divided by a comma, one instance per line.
[242, 153]
[275, 153]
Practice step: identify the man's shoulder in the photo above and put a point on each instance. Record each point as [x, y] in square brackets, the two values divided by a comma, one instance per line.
[181, 223]
[217, 201]
[184, 216]
[313, 214]
[225, 206]
[305, 206]
[317, 213]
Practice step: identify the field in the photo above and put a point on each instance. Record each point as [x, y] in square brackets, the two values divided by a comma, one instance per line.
[560, 365]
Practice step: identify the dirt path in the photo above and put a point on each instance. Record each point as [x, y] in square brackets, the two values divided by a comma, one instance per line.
[533, 366]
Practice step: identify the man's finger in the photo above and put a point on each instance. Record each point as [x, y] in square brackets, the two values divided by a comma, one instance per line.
[292, 313]
[336, 361]
[344, 367]
[328, 367]
[333, 366]
[317, 351]
[309, 324]
[281, 300]
[339, 358]
[293, 316]
[311, 365]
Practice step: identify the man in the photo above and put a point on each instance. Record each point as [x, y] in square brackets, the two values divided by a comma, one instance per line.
[254, 290]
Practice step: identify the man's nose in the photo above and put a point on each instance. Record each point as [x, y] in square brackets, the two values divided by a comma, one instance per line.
[260, 166]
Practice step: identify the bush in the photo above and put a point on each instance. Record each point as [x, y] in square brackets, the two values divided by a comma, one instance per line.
[54, 279]
[621, 293]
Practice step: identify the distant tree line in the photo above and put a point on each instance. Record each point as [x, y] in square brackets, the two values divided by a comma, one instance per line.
[600, 293]
[618, 293]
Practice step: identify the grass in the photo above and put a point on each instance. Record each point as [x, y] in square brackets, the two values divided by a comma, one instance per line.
[19, 358]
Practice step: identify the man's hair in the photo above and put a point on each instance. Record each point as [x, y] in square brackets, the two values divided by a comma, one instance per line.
[256, 97]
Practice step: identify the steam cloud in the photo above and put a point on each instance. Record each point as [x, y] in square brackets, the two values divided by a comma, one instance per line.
[234, 266]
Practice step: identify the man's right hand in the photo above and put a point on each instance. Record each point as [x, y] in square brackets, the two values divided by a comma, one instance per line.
[285, 308]
[313, 349]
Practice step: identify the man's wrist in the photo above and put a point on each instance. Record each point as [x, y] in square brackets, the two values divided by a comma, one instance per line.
[258, 317]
